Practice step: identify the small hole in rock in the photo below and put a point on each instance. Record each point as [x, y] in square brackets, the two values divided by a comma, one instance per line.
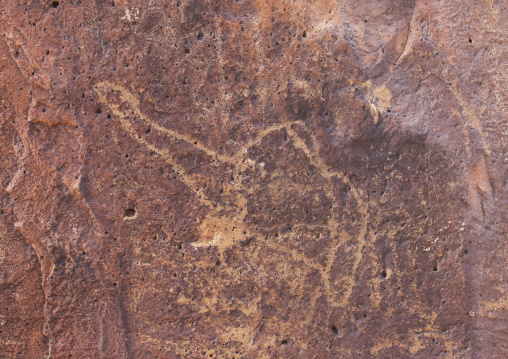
[200, 36]
[284, 342]
[55, 4]
[384, 274]
[130, 212]
[335, 330]
[187, 51]
[304, 34]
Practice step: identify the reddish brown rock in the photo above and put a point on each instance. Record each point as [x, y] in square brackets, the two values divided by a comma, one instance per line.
[251, 179]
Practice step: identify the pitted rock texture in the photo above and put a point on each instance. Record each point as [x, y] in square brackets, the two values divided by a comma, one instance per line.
[253, 179]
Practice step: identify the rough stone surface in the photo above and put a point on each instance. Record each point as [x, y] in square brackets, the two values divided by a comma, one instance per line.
[253, 179]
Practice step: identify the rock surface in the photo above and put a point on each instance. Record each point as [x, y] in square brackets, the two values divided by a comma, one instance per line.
[253, 179]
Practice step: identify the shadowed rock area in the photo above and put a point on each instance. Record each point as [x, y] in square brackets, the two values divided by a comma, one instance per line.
[253, 179]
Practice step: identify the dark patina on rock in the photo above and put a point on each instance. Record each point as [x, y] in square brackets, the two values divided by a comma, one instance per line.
[253, 179]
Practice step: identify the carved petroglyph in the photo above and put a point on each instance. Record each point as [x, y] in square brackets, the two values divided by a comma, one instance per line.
[225, 225]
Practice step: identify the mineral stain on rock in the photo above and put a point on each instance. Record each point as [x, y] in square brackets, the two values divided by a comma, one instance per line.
[253, 179]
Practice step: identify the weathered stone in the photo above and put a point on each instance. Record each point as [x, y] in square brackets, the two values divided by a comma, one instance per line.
[251, 179]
